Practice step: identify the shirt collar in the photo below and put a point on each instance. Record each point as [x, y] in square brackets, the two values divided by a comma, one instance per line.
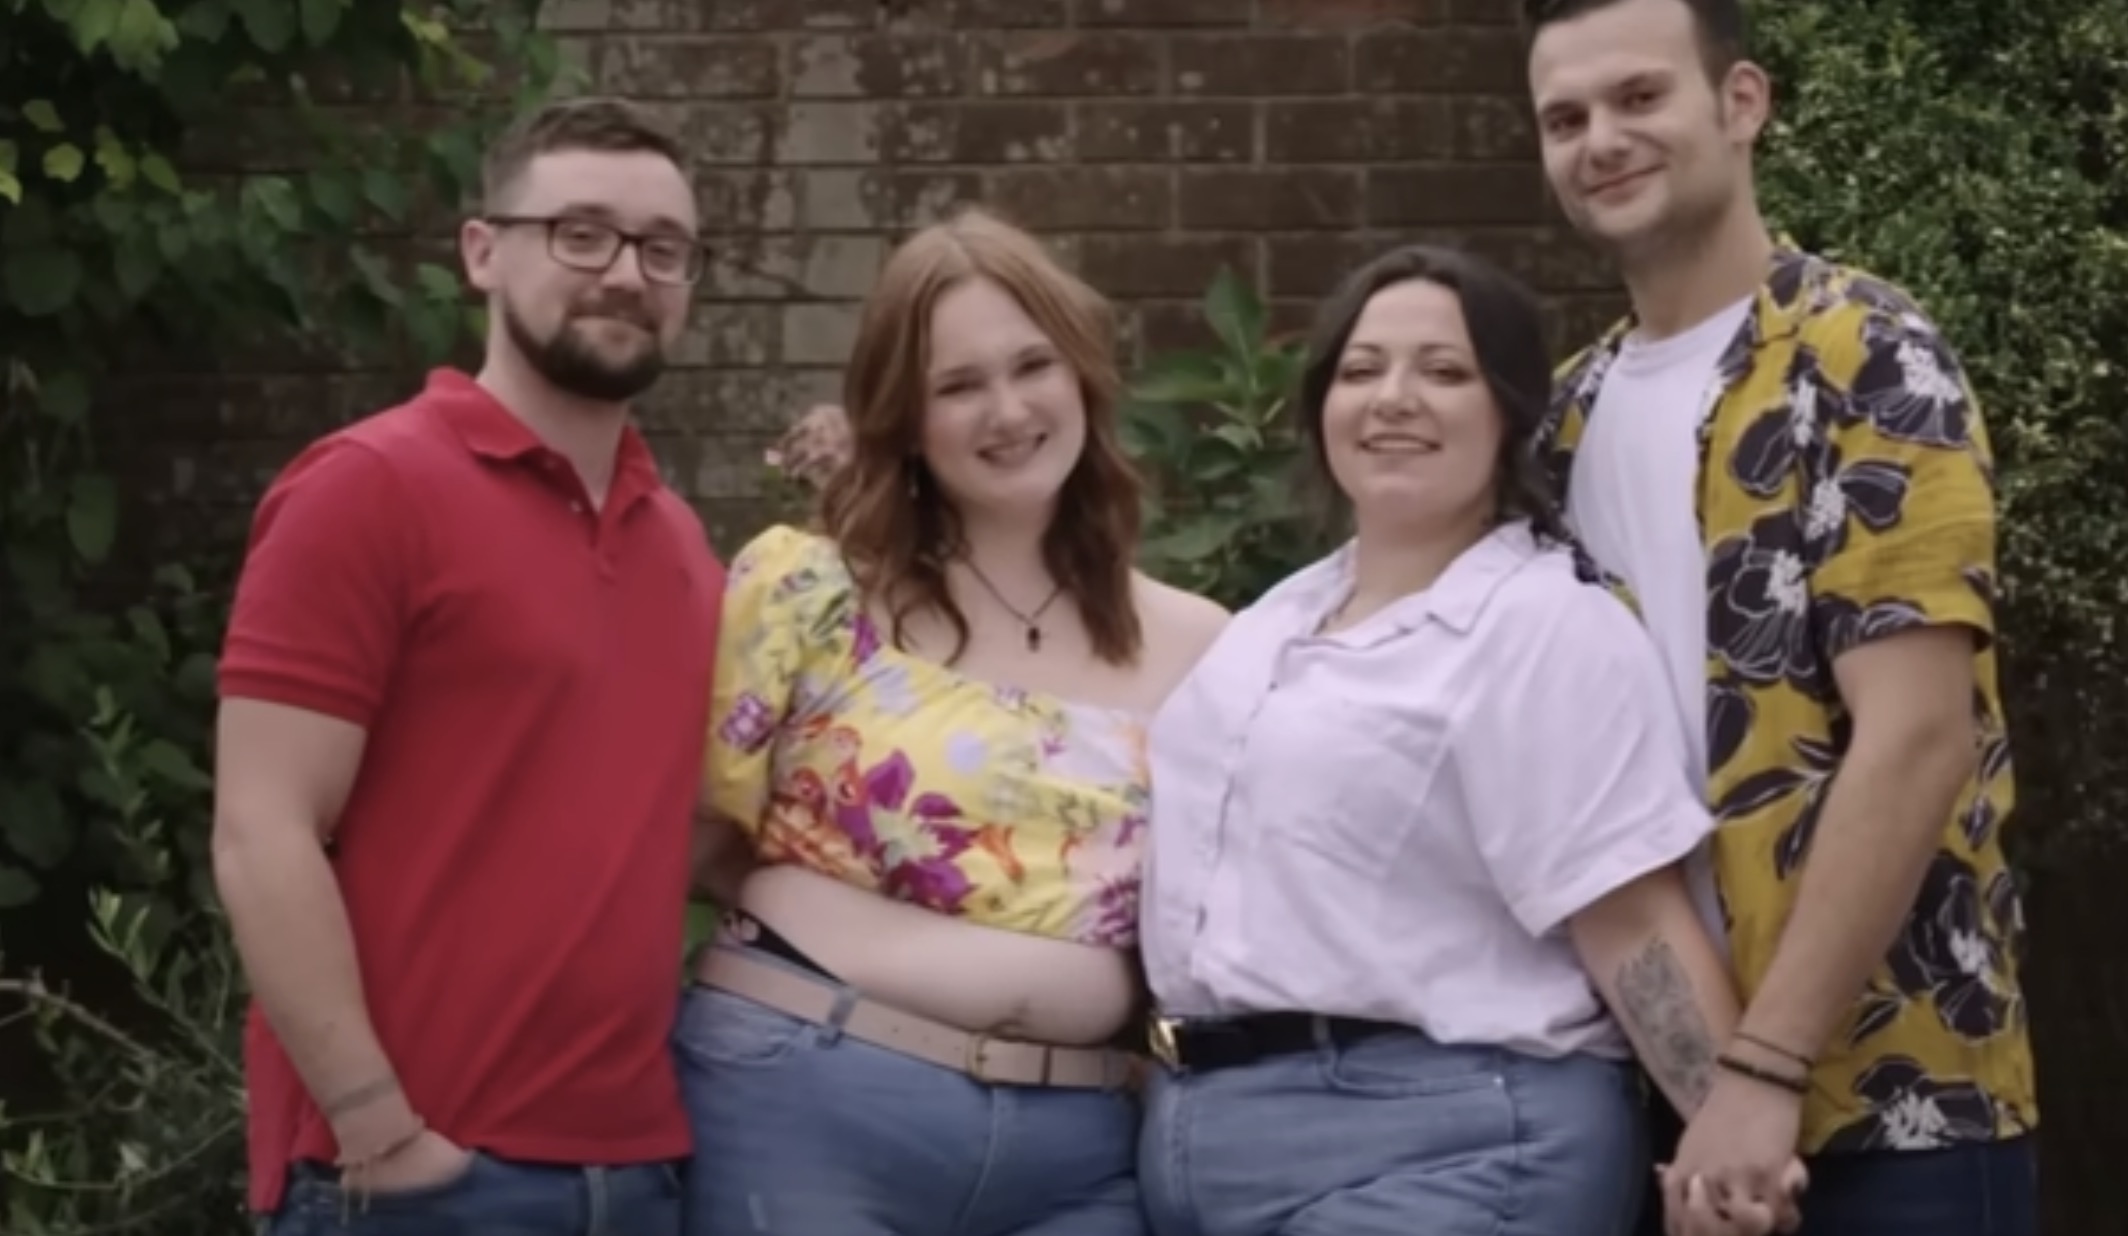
[491, 431]
[1456, 600]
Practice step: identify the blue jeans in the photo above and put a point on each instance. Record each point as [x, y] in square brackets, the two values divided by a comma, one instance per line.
[1394, 1135]
[495, 1197]
[1982, 1189]
[802, 1131]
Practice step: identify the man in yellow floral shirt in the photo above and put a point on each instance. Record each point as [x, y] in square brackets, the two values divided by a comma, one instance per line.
[1784, 462]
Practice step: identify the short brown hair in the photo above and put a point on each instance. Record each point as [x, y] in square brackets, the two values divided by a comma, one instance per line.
[583, 123]
[1724, 27]
[894, 526]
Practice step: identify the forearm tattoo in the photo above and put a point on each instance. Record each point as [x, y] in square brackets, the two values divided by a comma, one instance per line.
[1656, 1002]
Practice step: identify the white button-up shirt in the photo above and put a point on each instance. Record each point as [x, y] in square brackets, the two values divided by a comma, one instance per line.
[1396, 820]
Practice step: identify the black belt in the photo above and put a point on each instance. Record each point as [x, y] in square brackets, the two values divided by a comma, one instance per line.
[1200, 1045]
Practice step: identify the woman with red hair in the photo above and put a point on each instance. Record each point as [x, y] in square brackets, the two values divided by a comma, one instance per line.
[927, 769]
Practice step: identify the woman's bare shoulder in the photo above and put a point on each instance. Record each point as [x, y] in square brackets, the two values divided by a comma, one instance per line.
[1178, 625]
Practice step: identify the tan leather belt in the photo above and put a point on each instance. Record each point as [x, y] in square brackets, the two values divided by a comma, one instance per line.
[1005, 1062]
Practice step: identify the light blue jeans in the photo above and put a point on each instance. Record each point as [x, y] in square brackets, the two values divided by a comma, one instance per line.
[493, 1197]
[801, 1131]
[1396, 1135]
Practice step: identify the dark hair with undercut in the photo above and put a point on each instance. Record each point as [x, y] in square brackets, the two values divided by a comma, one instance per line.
[584, 123]
[1724, 29]
[1507, 334]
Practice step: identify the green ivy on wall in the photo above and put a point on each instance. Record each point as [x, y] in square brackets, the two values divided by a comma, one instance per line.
[183, 184]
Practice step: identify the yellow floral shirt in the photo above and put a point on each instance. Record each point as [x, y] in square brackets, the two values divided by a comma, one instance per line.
[1846, 493]
[836, 751]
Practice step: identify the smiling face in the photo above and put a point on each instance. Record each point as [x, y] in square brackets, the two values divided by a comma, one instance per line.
[1410, 429]
[1004, 419]
[1642, 145]
[597, 335]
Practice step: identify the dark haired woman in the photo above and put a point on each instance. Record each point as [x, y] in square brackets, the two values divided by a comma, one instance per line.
[1415, 893]
[928, 744]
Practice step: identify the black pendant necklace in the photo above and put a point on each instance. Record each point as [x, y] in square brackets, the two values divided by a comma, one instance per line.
[1033, 621]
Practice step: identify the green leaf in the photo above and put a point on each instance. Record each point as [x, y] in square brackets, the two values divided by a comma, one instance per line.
[377, 277]
[272, 23]
[18, 888]
[173, 764]
[41, 282]
[42, 116]
[1235, 313]
[10, 186]
[149, 633]
[333, 193]
[1196, 540]
[386, 192]
[276, 197]
[156, 170]
[95, 21]
[64, 162]
[35, 824]
[113, 157]
[142, 36]
[437, 283]
[320, 19]
[195, 677]
[64, 397]
[175, 576]
[92, 515]
[1183, 378]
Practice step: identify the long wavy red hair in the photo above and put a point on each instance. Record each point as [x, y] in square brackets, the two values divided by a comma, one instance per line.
[895, 528]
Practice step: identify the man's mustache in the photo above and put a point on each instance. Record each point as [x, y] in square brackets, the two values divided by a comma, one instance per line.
[633, 312]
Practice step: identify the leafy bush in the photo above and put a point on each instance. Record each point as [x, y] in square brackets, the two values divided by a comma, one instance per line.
[1973, 152]
[1228, 514]
[183, 183]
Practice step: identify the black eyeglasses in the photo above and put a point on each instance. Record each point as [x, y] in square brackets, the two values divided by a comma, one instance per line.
[593, 246]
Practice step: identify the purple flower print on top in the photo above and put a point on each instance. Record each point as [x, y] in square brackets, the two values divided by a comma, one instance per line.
[864, 638]
[751, 723]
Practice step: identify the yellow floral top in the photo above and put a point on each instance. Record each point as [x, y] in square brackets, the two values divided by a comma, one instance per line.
[1846, 493]
[895, 774]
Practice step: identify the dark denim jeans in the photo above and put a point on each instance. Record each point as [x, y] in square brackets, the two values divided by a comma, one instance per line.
[495, 1197]
[1984, 1189]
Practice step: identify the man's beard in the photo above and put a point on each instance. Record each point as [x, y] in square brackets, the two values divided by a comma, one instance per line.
[574, 366]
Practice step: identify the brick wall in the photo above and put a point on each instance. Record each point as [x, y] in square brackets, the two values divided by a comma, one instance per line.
[1151, 140]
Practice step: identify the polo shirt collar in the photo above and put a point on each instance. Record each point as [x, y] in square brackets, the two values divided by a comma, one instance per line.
[491, 431]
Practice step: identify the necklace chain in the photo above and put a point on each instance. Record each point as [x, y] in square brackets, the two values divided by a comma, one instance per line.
[1033, 621]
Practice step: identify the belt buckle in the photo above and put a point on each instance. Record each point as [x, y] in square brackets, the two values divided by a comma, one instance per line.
[1160, 1037]
[974, 1061]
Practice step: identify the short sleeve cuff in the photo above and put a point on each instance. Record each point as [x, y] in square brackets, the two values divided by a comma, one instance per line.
[1940, 578]
[356, 706]
[1658, 843]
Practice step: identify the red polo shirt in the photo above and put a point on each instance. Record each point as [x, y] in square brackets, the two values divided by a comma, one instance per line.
[533, 673]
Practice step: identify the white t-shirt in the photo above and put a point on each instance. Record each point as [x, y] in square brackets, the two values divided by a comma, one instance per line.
[1633, 501]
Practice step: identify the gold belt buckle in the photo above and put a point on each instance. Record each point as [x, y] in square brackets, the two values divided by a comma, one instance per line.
[1160, 1037]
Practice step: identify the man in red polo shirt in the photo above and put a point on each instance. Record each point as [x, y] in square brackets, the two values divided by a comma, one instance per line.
[463, 700]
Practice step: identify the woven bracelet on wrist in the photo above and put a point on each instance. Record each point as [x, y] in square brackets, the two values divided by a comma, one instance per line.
[1744, 1068]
